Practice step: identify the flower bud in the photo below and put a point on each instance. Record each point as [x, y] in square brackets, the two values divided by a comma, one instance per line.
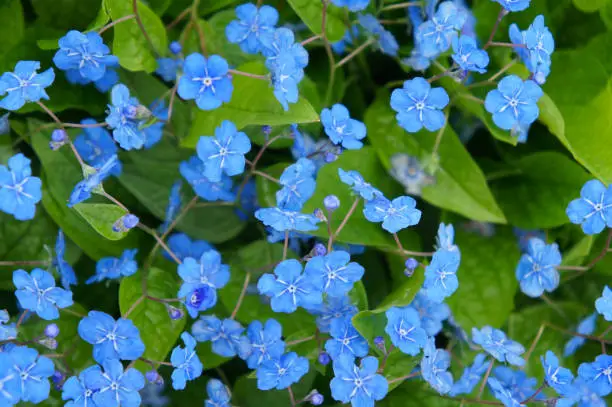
[319, 249]
[49, 343]
[331, 202]
[411, 265]
[330, 157]
[318, 213]
[175, 47]
[324, 358]
[58, 139]
[174, 312]
[125, 223]
[51, 331]
[316, 399]
[154, 377]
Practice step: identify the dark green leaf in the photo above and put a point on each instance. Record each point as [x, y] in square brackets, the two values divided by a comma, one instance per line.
[578, 253]
[398, 365]
[246, 393]
[66, 14]
[311, 12]
[12, 25]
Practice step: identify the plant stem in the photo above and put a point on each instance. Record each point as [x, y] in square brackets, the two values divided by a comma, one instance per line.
[346, 217]
[145, 34]
[402, 5]
[329, 51]
[249, 75]
[115, 22]
[355, 52]
[298, 341]
[245, 286]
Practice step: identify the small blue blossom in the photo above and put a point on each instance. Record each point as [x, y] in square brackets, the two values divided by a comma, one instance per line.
[283, 220]
[252, 25]
[559, 378]
[7, 331]
[168, 68]
[359, 385]
[333, 274]
[445, 239]
[298, 185]
[471, 376]
[418, 105]
[111, 339]
[536, 271]
[339, 47]
[359, 185]
[116, 387]
[409, 172]
[11, 383]
[24, 85]
[112, 268]
[603, 304]
[593, 210]
[266, 342]
[80, 389]
[514, 102]
[468, 56]
[431, 313]
[534, 47]
[434, 367]
[187, 365]
[154, 132]
[495, 343]
[520, 386]
[206, 80]
[37, 292]
[585, 327]
[82, 191]
[218, 394]
[122, 118]
[223, 153]
[598, 374]
[174, 206]
[285, 79]
[583, 394]
[226, 336]
[341, 129]
[85, 53]
[182, 247]
[331, 309]
[395, 215]
[281, 373]
[435, 36]
[514, 5]
[95, 145]
[34, 373]
[441, 275]
[193, 171]
[19, 190]
[282, 45]
[201, 280]
[404, 329]
[345, 340]
[352, 5]
[63, 268]
[502, 393]
[289, 288]
[384, 39]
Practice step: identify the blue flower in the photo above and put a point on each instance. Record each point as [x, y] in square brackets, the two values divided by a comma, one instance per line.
[168, 68]
[593, 210]
[223, 153]
[409, 172]
[333, 274]
[289, 288]
[252, 25]
[283, 220]
[520, 386]
[182, 247]
[341, 129]
[502, 393]
[37, 292]
[536, 271]
[404, 329]
[110, 79]
[559, 378]
[282, 45]
[154, 132]
[34, 373]
[446, 237]
[112, 267]
[471, 376]
[603, 304]
[218, 394]
[201, 279]
[359, 185]
[468, 56]
[7, 331]
[187, 365]
[583, 394]
[434, 367]
[281, 373]
[95, 145]
[19, 190]
[24, 85]
[206, 80]
[395, 215]
[84, 53]
[63, 268]
[298, 185]
[435, 36]
[514, 5]
[173, 207]
[193, 171]
[111, 339]
[495, 343]
[598, 374]
[345, 340]
[514, 102]
[384, 39]
[352, 5]
[82, 191]
[534, 47]
[122, 118]
[266, 342]
[441, 275]
[11, 383]
[350, 35]
[418, 105]
[116, 387]
[585, 327]
[285, 81]
[432, 313]
[359, 385]
[80, 390]
[331, 309]
[226, 336]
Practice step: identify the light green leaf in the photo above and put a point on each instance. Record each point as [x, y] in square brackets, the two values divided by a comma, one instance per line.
[487, 285]
[552, 118]
[101, 217]
[460, 184]
[253, 102]
[578, 253]
[158, 332]
[590, 5]
[311, 12]
[129, 43]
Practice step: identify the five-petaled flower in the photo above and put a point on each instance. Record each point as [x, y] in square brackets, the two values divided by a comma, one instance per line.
[341, 129]
[252, 25]
[514, 103]
[603, 304]
[24, 85]
[593, 210]
[495, 342]
[418, 105]
[598, 374]
[358, 385]
[187, 365]
[85, 53]
[404, 329]
[359, 185]
[536, 271]
[223, 153]
[345, 340]
[266, 342]
[333, 274]
[37, 292]
[468, 56]
[282, 372]
[19, 190]
[226, 336]
[395, 215]
[218, 394]
[559, 378]
[114, 386]
[434, 367]
[206, 80]
[123, 118]
[285, 220]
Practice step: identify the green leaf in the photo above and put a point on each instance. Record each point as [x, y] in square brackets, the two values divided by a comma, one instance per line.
[460, 184]
[149, 176]
[158, 332]
[398, 365]
[548, 180]
[61, 173]
[487, 285]
[590, 5]
[552, 118]
[246, 394]
[311, 12]
[129, 43]
[12, 25]
[419, 394]
[66, 14]
[253, 102]
[101, 217]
